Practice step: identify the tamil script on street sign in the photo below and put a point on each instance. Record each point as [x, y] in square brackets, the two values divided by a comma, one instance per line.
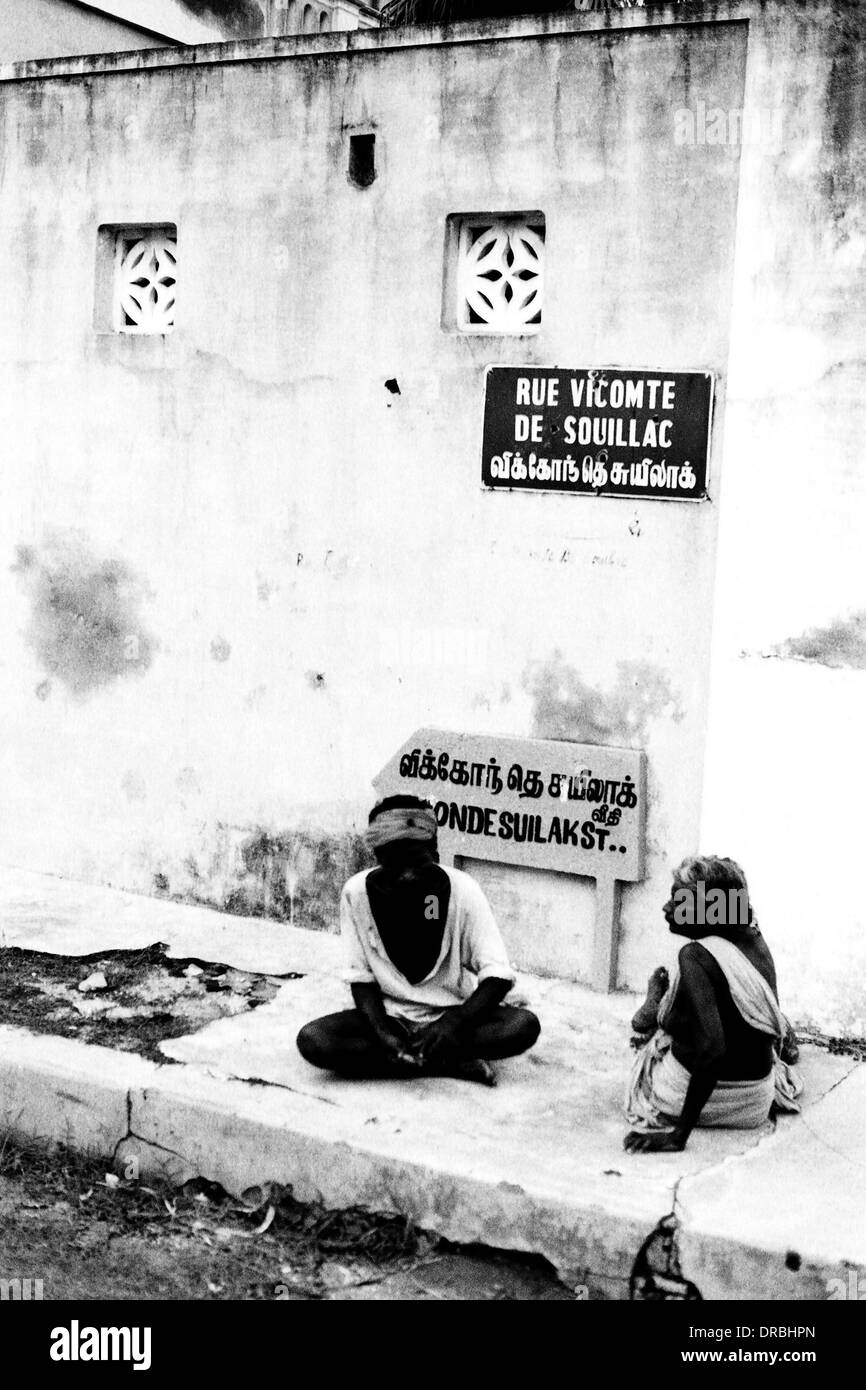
[606, 431]
[576, 808]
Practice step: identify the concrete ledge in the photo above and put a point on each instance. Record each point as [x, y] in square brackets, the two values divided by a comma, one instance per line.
[535, 1165]
[62, 1091]
[789, 1214]
[736, 1227]
[244, 1138]
[337, 42]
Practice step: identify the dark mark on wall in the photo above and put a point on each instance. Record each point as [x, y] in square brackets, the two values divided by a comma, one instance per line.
[840, 644]
[295, 876]
[392, 385]
[187, 782]
[243, 18]
[844, 124]
[85, 626]
[134, 786]
[316, 680]
[566, 707]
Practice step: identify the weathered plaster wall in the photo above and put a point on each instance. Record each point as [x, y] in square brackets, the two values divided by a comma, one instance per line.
[787, 747]
[308, 554]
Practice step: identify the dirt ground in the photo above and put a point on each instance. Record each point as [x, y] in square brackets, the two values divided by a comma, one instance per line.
[89, 1234]
[129, 1000]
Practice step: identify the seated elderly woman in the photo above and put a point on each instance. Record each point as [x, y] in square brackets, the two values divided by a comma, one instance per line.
[714, 1047]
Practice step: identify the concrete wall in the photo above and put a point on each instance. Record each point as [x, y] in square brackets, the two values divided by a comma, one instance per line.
[246, 569]
[787, 747]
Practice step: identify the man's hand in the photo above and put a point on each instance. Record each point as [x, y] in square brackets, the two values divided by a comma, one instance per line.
[392, 1036]
[389, 1033]
[440, 1041]
[656, 1141]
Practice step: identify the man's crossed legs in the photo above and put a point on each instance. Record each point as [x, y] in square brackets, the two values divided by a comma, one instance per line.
[345, 1043]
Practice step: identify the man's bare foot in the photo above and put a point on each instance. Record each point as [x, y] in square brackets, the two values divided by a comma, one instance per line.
[469, 1069]
[646, 1018]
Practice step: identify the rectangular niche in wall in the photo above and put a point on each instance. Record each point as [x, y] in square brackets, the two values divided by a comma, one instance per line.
[362, 159]
[494, 272]
[136, 278]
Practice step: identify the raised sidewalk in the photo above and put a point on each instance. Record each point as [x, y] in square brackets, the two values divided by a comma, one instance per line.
[535, 1165]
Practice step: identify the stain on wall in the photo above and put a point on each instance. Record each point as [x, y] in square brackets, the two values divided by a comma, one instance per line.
[840, 644]
[297, 877]
[293, 876]
[85, 622]
[244, 19]
[565, 706]
[187, 782]
[134, 786]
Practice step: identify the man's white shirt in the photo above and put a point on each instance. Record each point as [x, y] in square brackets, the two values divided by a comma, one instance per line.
[472, 950]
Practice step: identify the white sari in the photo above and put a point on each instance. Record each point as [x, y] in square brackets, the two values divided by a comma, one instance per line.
[658, 1083]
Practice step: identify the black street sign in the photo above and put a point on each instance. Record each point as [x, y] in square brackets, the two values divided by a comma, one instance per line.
[603, 431]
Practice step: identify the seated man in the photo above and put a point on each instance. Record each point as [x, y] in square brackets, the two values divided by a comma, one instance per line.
[714, 1044]
[426, 965]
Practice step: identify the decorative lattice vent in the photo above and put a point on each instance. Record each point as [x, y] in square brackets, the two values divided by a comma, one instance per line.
[145, 280]
[500, 274]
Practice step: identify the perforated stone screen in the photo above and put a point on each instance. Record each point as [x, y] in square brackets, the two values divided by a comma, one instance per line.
[145, 279]
[500, 274]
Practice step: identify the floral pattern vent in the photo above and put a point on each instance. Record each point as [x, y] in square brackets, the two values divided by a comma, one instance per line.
[500, 275]
[145, 282]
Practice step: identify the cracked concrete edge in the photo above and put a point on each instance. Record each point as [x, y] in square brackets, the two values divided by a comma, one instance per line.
[228, 1136]
[772, 1268]
[180, 1123]
[725, 1269]
[57, 1091]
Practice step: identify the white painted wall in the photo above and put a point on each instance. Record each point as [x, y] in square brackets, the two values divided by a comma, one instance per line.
[787, 749]
[298, 530]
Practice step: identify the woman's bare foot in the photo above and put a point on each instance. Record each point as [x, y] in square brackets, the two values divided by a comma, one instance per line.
[646, 1018]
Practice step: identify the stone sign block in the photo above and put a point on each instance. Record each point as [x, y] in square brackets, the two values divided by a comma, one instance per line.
[571, 807]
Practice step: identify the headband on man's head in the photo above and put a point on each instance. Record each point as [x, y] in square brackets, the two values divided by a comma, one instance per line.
[401, 823]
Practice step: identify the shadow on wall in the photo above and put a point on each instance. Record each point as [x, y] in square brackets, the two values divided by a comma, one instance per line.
[567, 707]
[85, 624]
[841, 644]
[294, 876]
[244, 19]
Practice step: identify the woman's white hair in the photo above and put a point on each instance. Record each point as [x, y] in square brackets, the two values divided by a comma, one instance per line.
[713, 871]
